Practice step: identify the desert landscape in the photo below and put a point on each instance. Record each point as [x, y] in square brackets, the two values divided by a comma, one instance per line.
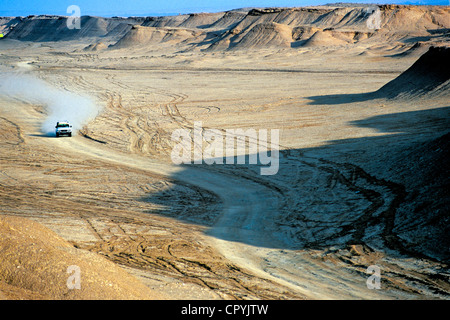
[359, 95]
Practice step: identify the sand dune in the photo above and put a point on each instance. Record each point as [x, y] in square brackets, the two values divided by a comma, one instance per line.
[228, 20]
[265, 35]
[170, 21]
[429, 75]
[324, 38]
[8, 23]
[201, 20]
[143, 36]
[253, 29]
[35, 260]
[54, 28]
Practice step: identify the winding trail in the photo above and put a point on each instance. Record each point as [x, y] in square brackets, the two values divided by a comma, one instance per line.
[247, 231]
[244, 231]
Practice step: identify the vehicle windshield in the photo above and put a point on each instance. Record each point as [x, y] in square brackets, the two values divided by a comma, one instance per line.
[63, 125]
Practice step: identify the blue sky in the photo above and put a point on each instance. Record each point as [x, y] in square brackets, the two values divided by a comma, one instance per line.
[151, 7]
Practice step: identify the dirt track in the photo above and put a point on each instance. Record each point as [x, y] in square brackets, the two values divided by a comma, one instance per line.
[222, 232]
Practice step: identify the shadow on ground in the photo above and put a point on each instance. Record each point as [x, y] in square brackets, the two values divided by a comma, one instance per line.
[386, 191]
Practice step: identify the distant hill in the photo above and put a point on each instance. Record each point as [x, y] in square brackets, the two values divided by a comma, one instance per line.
[332, 25]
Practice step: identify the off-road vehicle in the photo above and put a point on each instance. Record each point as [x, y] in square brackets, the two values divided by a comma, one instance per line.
[63, 128]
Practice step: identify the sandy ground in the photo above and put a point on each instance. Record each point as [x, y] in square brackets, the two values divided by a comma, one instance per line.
[223, 231]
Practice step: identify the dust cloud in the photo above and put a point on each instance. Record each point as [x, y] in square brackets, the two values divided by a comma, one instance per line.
[59, 104]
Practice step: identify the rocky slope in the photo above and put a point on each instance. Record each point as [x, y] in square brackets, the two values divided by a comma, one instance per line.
[330, 25]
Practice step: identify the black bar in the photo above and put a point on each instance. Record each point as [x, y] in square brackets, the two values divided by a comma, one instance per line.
[225, 309]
